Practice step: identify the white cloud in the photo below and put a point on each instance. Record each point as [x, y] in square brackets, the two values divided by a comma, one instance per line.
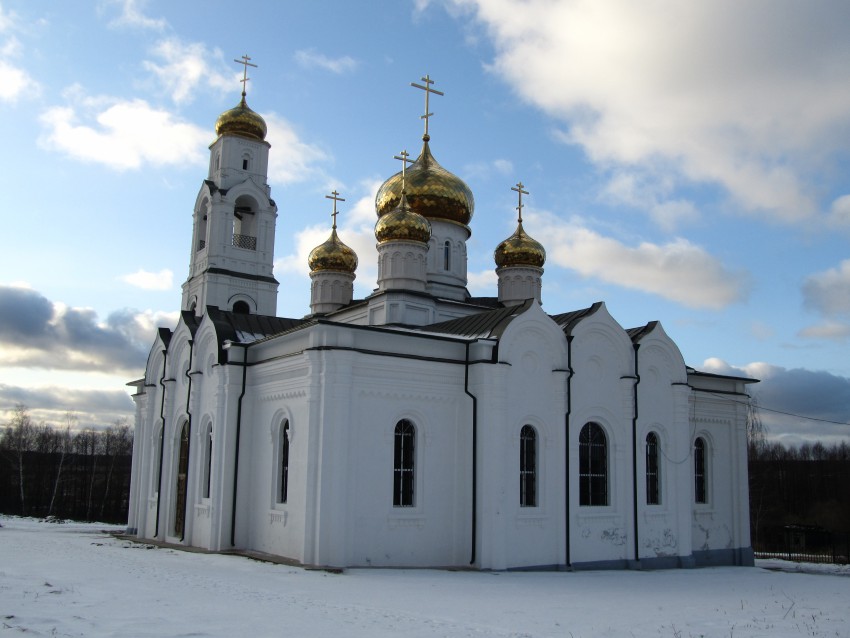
[839, 212]
[122, 134]
[482, 283]
[133, 16]
[828, 292]
[830, 330]
[13, 81]
[162, 280]
[751, 96]
[651, 193]
[186, 66]
[310, 59]
[678, 270]
[291, 159]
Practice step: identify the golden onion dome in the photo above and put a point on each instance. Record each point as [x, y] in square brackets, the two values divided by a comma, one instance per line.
[332, 255]
[432, 191]
[403, 224]
[520, 250]
[242, 121]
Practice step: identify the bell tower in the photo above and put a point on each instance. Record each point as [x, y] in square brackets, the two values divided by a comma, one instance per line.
[232, 253]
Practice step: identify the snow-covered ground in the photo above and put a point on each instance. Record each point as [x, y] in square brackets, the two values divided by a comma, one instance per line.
[76, 580]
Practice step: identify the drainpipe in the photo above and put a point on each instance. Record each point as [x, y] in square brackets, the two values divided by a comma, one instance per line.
[570, 373]
[244, 365]
[635, 453]
[474, 453]
[161, 439]
[189, 426]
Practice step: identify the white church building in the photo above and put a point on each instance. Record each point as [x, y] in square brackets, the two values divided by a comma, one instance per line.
[421, 426]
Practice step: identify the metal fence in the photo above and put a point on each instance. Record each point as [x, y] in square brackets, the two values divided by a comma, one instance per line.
[806, 544]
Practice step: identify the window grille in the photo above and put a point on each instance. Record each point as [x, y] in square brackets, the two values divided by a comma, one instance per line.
[653, 485]
[403, 464]
[527, 467]
[283, 487]
[700, 492]
[593, 465]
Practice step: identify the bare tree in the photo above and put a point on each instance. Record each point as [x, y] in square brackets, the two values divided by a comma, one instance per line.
[18, 439]
[117, 442]
[62, 447]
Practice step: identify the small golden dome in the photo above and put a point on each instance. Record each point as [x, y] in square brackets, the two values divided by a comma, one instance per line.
[332, 255]
[520, 250]
[401, 223]
[242, 121]
[432, 191]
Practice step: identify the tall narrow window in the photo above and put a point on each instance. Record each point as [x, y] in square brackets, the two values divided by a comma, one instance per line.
[700, 492]
[157, 462]
[447, 255]
[283, 486]
[593, 465]
[403, 460]
[653, 485]
[208, 465]
[527, 467]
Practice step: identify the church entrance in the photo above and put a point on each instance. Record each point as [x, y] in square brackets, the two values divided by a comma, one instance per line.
[182, 483]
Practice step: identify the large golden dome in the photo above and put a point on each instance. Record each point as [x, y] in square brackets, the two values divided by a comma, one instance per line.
[401, 223]
[520, 250]
[332, 255]
[242, 121]
[432, 191]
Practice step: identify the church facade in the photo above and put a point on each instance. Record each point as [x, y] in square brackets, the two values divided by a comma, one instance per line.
[421, 426]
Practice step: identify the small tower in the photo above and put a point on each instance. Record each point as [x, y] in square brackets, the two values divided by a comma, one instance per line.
[332, 265]
[446, 202]
[232, 253]
[403, 237]
[519, 262]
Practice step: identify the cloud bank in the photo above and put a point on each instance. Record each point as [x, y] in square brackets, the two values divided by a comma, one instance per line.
[753, 97]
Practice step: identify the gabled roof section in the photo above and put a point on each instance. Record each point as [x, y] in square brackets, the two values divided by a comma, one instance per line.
[568, 320]
[246, 328]
[490, 323]
[636, 334]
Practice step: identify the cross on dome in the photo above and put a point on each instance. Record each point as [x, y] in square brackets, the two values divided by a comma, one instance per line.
[334, 196]
[245, 63]
[520, 192]
[404, 157]
[428, 90]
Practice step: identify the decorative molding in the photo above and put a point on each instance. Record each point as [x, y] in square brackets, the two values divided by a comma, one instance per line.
[278, 396]
[202, 510]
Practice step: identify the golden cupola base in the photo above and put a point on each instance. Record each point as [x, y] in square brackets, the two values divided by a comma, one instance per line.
[519, 262]
[403, 237]
[332, 265]
[432, 191]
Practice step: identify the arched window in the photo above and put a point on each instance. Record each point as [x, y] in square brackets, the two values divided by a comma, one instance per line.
[207, 465]
[403, 462]
[527, 467]
[283, 483]
[653, 475]
[447, 255]
[700, 473]
[182, 482]
[241, 308]
[593, 465]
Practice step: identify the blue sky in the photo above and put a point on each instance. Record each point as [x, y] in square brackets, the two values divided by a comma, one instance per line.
[686, 162]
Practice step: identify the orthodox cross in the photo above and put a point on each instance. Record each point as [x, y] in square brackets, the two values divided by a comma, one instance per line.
[518, 188]
[428, 91]
[404, 161]
[245, 63]
[334, 196]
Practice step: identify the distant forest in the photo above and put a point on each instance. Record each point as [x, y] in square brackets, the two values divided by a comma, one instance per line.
[60, 471]
[50, 470]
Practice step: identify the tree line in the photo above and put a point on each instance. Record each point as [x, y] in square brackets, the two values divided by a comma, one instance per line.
[64, 472]
[795, 490]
